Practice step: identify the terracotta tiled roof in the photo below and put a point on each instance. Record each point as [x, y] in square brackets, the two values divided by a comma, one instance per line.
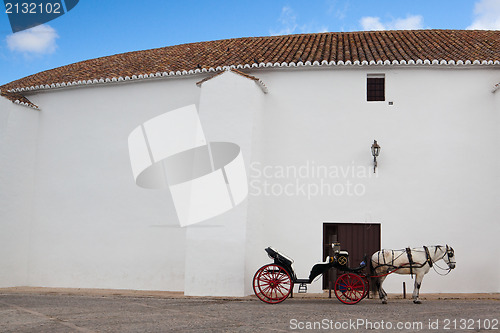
[248, 76]
[19, 99]
[411, 47]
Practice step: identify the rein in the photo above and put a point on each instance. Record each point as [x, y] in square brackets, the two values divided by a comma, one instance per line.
[377, 276]
[448, 270]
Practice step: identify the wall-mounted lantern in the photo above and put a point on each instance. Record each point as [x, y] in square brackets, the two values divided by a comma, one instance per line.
[375, 152]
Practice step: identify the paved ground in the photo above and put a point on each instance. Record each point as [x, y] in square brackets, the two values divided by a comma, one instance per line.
[43, 310]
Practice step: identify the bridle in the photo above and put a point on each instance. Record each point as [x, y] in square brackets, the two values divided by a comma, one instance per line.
[451, 254]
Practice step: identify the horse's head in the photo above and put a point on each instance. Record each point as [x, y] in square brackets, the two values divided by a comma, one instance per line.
[449, 257]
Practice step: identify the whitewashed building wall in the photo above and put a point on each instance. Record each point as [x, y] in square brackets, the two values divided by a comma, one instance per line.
[72, 216]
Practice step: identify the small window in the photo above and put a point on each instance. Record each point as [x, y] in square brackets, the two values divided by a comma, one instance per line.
[375, 87]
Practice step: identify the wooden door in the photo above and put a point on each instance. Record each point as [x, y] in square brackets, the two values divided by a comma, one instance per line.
[359, 239]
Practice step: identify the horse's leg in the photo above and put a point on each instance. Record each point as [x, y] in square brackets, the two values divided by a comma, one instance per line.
[416, 289]
[381, 292]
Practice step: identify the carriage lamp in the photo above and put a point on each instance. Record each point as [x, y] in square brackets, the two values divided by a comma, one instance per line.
[375, 152]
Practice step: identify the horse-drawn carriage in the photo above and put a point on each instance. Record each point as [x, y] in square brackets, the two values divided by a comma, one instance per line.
[273, 283]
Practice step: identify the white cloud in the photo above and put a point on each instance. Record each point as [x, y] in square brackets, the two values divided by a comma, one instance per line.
[288, 21]
[37, 40]
[411, 22]
[371, 23]
[338, 10]
[486, 15]
[289, 24]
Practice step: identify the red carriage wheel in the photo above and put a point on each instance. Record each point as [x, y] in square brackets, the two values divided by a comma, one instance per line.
[272, 284]
[349, 288]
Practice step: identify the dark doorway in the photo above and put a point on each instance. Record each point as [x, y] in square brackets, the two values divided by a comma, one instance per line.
[359, 239]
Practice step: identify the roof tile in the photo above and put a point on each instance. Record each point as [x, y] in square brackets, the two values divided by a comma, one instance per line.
[397, 47]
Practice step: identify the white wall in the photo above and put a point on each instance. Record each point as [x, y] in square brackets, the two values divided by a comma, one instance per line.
[215, 255]
[18, 150]
[90, 226]
[71, 215]
[437, 178]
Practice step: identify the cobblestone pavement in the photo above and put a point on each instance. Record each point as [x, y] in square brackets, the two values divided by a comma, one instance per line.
[107, 312]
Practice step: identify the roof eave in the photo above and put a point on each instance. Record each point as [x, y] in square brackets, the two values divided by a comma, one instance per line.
[219, 69]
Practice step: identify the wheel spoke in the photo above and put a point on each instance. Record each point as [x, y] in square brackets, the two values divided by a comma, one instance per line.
[342, 280]
[276, 272]
[283, 277]
[266, 289]
[281, 288]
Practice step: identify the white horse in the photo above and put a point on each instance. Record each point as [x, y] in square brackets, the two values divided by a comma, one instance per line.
[416, 261]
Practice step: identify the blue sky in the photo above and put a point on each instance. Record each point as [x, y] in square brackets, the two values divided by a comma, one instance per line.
[96, 28]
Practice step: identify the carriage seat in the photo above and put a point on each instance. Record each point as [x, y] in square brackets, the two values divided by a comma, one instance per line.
[320, 268]
[279, 257]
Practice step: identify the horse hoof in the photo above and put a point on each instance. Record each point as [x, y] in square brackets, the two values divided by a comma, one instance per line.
[384, 302]
[417, 302]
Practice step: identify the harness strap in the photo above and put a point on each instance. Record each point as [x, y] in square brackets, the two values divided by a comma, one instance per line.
[410, 259]
[385, 262]
[428, 256]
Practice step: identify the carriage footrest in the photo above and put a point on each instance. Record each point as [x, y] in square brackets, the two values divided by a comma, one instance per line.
[302, 288]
